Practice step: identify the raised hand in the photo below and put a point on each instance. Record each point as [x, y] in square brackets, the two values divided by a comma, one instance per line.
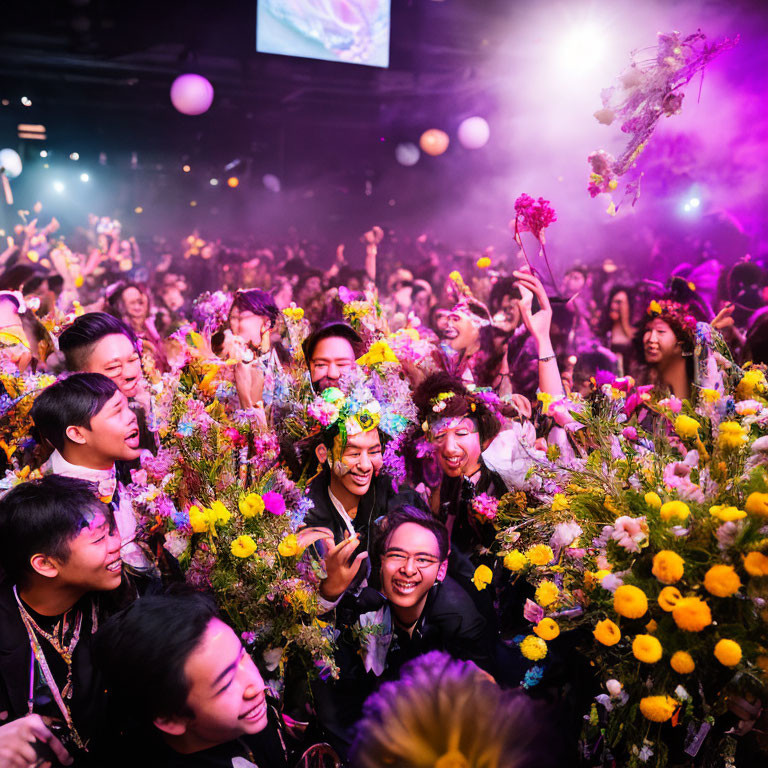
[19, 738]
[538, 323]
[340, 571]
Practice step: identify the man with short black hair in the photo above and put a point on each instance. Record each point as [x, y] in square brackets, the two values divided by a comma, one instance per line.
[86, 418]
[184, 690]
[330, 351]
[59, 552]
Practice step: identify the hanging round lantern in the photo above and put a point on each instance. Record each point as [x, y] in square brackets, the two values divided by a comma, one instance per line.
[434, 141]
[191, 94]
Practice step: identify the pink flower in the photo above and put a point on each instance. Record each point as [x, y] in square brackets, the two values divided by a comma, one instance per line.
[675, 404]
[637, 398]
[533, 612]
[273, 502]
[533, 216]
[485, 506]
[565, 534]
[630, 532]
[630, 433]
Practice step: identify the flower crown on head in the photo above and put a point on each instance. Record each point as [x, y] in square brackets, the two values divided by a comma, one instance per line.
[484, 398]
[334, 408]
[676, 313]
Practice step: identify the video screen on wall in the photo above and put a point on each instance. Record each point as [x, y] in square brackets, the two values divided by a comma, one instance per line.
[351, 31]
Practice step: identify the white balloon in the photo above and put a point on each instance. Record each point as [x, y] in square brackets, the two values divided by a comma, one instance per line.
[407, 154]
[191, 94]
[271, 182]
[474, 133]
[10, 162]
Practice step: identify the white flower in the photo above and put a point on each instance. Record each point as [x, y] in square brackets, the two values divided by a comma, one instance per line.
[565, 534]
[614, 687]
[272, 658]
[681, 693]
[611, 582]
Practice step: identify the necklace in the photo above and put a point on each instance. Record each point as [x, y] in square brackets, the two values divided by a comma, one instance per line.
[66, 652]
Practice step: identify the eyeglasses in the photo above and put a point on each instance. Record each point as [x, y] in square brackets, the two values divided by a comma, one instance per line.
[401, 560]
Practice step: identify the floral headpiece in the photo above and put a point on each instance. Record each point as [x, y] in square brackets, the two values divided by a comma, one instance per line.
[676, 314]
[466, 302]
[479, 398]
[334, 408]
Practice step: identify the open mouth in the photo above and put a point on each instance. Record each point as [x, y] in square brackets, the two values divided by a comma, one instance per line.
[453, 462]
[450, 333]
[255, 714]
[115, 566]
[404, 588]
[361, 480]
[132, 438]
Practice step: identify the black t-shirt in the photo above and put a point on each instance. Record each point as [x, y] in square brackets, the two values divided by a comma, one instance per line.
[265, 749]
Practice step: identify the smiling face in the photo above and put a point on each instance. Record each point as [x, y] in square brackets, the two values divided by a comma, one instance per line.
[457, 444]
[460, 333]
[226, 692]
[330, 358]
[361, 460]
[410, 566]
[113, 434]
[136, 303]
[619, 306]
[117, 358]
[94, 558]
[660, 343]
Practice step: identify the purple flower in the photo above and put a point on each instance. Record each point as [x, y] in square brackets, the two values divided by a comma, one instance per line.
[630, 433]
[533, 612]
[273, 502]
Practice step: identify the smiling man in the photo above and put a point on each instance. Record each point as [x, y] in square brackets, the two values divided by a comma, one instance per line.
[59, 552]
[330, 351]
[184, 691]
[86, 418]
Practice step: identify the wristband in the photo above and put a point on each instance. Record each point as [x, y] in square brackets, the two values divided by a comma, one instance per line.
[546, 359]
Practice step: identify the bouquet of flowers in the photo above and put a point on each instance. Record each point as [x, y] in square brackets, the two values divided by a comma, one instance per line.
[656, 543]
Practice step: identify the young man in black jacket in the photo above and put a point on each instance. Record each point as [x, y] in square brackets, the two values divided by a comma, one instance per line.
[60, 556]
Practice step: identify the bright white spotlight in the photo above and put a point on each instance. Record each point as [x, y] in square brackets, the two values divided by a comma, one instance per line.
[687, 207]
[26, 101]
[58, 186]
[84, 177]
[43, 153]
[214, 182]
[581, 49]
[74, 156]
[694, 202]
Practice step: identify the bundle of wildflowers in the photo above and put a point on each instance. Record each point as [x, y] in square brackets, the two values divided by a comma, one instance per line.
[657, 543]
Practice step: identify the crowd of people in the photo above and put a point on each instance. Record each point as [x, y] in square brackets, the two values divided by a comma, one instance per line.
[384, 410]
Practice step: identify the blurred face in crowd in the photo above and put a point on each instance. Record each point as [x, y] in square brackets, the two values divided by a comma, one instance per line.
[457, 443]
[117, 358]
[619, 307]
[173, 293]
[461, 334]
[330, 358]
[440, 320]
[248, 326]
[360, 461]
[574, 282]
[135, 303]
[226, 692]
[410, 566]
[660, 343]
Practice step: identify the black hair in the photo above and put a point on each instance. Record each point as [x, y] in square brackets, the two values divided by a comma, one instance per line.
[408, 514]
[259, 302]
[504, 286]
[606, 322]
[142, 650]
[330, 330]
[42, 517]
[589, 363]
[77, 341]
[70, 402]
[10, 298]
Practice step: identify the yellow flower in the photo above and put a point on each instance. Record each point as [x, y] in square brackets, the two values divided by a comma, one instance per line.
[243, 546]
[547, 629]
[757, 504]
[728, 653]
[289, 546]
[560, 502]
[756, 564]
[540, 554]
[676, 509]
[630, 602]
[380, 352]
[454, 758]
[299, 598]
[219, 513]
[294, 313]
[455, 276]
[251, 505]
[546, 400]
[668, 598]
[199, 519]
[483, 577]
[607, 632]
[752, 383]
[515, 561]
[686, 427]
[79, 281]
[692, 614]
[653, 500]
[658, 708]
[546, 593]
[533, 648]
[654, 308]
[682, 663]
[722, 581]
[483, 262]
[727, 514]
[668, 566]
[651, 626]
[710, 395]
[613, 184]
[646, 648]
[731, 436]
